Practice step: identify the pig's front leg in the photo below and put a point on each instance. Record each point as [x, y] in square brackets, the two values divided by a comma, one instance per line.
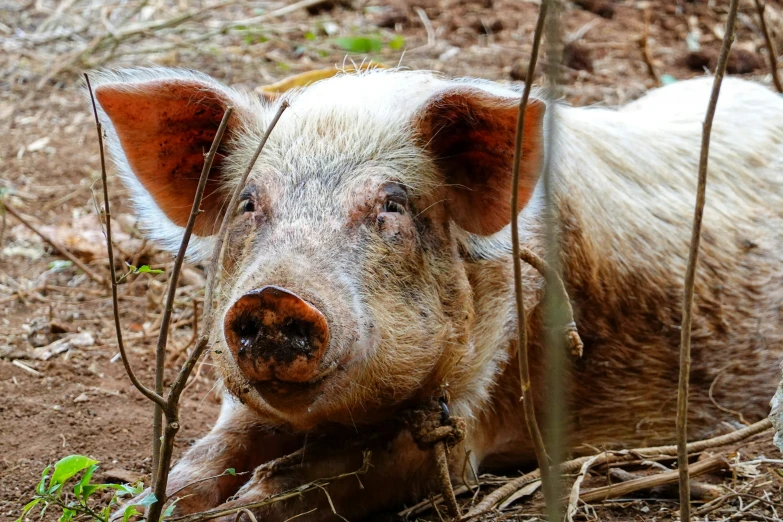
[398, 472]
[239, 440]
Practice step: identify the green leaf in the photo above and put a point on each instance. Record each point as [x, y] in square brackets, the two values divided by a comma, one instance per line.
[79, 489]
[397, 43]
[126, 489]
[231, 471]
[145, 269]
[30, 505]
[148, 500]
[41, 487]
[129, 512]
[89, 490]
[360, 44]
[69, 466]
[67, 515]
[310, 36]
[170, 509]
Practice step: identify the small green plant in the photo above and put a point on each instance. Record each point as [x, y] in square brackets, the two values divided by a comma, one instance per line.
[143, 269]
[51, 491]
[368, 44]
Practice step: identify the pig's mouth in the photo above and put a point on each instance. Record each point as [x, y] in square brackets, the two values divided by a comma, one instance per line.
[286, 395]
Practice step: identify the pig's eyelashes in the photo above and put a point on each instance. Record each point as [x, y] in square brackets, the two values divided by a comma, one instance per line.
[245, 205]
[393, 206]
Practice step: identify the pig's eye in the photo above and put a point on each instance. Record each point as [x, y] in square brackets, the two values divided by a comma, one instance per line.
[396, 198]
[245, 205]
[393, 206]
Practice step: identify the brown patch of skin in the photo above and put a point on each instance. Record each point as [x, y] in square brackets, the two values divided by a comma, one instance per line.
[166, 128]
[471, 136]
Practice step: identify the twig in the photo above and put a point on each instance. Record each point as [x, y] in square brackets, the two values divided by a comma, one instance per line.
[26, 368]
[645, 49]
[554, 357]
[291, 493]
[555, 282]
[216, 261]
[773, 55]
[573, 498]
[58, 247]
[199, 481]
[425, 20]
[151, 395]
[572, 466]
[247, 512]
[442, 463]
[522, 355]
[669, 477]
[690, 274]
[172, 403]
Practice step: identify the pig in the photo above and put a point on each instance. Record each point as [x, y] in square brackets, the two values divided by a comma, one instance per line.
[369, 269]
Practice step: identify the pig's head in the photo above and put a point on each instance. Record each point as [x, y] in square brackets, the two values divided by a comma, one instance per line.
[345, 293]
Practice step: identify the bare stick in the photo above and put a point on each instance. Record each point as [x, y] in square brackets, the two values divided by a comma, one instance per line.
[572, 466]
[522, 356]
[573, 498]
[172, 401]
[216, 262]
[690, 274]
[151, 395]
[773, 55]
[160, 351]
[59, 248]
[669, 477]
[295, 492]
[554, 356]
[644, 47]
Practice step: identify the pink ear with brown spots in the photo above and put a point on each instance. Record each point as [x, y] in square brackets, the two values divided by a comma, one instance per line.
[165, 127]
[470, 133]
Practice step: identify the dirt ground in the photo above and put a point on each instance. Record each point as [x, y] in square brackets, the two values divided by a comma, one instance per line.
[77, 398]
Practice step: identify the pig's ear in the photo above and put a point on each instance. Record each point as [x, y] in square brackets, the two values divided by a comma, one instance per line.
[162, 129]
[470, 134]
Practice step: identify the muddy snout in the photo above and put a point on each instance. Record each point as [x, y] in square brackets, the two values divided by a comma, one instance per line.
[274, 334]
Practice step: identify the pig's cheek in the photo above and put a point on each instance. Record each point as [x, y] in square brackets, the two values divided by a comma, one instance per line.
[240, 237]
[397, 231]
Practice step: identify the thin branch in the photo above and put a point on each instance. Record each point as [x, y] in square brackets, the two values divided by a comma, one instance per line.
[216, 262]
[554, 356]
[291, 493]
[573, 498]
[642, 483]
[690, 274]
[773, 55]
[161, 456]
[151, 395]
[172, 401]
[522, 342]
[609, 457]
[160, 351]
[57, 246]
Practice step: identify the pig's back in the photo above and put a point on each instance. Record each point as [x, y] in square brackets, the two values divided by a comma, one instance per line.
[625, 184]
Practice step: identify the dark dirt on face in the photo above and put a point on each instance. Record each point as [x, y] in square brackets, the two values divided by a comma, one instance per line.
[74, 397]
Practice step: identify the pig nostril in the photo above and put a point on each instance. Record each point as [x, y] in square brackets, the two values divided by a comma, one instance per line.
[246, 329]
[297, 334]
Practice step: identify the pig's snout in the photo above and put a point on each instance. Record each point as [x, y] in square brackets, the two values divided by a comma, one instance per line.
[276, 335]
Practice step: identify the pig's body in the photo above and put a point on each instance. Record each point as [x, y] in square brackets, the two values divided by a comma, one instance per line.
[411, 300]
